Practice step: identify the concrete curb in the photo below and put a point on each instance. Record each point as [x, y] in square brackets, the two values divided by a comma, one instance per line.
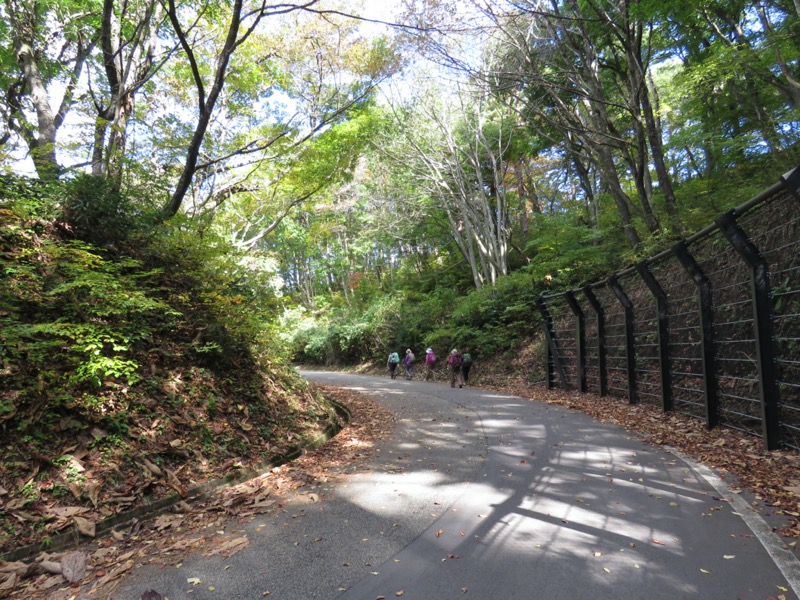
[785, 560]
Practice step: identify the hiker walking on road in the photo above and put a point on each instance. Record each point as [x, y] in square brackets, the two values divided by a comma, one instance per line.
[455, 360]
[394, 360]
[466, 365]
[430, 362]
[408, 361]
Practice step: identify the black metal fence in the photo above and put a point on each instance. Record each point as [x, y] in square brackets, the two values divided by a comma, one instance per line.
[710, 328]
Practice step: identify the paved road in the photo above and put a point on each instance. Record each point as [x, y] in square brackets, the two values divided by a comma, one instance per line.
[487, 496]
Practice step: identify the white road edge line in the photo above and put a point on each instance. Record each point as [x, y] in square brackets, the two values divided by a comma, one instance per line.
[784, 559]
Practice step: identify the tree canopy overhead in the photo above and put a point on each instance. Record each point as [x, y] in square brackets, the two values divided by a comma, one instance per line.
[193, 96]
[420, 145]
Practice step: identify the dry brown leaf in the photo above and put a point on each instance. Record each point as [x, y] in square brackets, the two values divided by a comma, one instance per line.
[49, 566]
[175, 483]
[152, 467]
[230, 547]
[166, 521]
[18, 567]
[93, 490]
[115, 573]
[65, 512]
[8, 584]
[73, 566]
[117, 535]
[85, 526]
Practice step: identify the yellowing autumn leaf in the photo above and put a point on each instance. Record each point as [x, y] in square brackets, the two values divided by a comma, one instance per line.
[704, 571]
[193, 580]
[728, 556]
[606, 569]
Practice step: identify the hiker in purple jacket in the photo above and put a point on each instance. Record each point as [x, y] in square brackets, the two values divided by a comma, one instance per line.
[408, 361]
[430, 363]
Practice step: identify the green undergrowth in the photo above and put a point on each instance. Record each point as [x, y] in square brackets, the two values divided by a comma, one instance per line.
[136, 360]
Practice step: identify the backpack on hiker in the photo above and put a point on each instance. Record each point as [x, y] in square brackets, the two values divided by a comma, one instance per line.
[455, 360]
[430, 358]
[466, 359]
[394, 358]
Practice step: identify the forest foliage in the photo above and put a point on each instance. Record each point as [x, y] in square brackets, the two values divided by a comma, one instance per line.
[409, 184]
[267, 183]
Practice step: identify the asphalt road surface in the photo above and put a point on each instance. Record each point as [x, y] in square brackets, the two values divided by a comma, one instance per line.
[484, 496]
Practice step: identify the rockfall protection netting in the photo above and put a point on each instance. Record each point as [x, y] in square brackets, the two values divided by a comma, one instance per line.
[710, 328]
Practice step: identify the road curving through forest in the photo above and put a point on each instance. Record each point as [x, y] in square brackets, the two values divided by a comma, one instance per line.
[479, 494]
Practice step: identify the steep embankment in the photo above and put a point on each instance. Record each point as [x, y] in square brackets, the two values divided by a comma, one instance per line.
[130, 374]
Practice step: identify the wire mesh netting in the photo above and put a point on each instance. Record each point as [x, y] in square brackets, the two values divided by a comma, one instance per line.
[592, 334]
[774, 228]
[563, 361]
[735, 350]
[616, 356]
[684, 338]
[645, 335]
[717, 376]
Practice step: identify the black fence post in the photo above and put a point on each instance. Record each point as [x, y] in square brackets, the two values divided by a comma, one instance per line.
[601, 338]
[791, 181]
[553, 359]
[630, 340]
[766, 359]
[663, 334]
[580, 336]
[707, 339]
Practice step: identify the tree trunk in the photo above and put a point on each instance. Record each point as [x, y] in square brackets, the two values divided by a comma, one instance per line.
[43, 141]
[205, 105]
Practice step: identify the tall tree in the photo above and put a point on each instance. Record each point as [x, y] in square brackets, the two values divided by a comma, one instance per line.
[457, 149]
[50, 45]
[131, 56]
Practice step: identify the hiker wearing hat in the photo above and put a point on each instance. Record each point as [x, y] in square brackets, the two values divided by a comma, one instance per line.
[408, 362]
[430, 362]
[454, 361]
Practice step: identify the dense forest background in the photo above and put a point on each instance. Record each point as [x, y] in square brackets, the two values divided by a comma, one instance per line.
[194, 193]
[412, 177]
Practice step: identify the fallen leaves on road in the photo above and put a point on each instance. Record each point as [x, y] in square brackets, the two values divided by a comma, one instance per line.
[772, 476]
[167, 539]
[73, 566]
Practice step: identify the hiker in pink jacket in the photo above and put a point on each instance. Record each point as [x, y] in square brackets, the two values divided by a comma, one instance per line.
[454, 361]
